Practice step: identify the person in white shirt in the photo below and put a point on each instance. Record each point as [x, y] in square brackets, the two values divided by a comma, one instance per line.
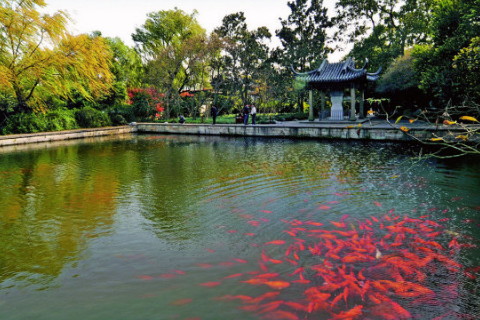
[253, 112]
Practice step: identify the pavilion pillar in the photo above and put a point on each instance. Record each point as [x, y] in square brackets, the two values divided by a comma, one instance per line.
[362, 103]
[322, 104]
[310, 101]
[352, 104]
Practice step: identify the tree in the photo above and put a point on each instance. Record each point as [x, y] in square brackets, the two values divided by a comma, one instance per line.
[127, 69]
[303, 35]
[447, 63]
[38, 58]
[382, 30]
[244, 56]
[174, 48]
[303, 40]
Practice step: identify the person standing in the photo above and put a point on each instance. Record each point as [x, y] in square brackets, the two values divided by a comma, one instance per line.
[253, 112]
[213, 113]
[246, 112]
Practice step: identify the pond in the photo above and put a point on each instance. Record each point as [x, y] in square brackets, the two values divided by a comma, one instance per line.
[186, 227]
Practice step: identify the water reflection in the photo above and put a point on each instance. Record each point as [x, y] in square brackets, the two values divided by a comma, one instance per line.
[142, 221]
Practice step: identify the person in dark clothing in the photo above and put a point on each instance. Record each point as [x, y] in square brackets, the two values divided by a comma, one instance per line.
[182, 119]
[246, 112]
[213, 113]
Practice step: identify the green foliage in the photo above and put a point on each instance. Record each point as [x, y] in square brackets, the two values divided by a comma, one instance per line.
[121, 114]
[400, 76]
[91, 118]
[56, 120]
[445, 65]
[303, 35]
[244, 64]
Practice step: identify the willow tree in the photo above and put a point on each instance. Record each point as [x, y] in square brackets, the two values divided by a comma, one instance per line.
[39, 58]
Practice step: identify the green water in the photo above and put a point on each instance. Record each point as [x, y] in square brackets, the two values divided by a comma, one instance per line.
[132, 228]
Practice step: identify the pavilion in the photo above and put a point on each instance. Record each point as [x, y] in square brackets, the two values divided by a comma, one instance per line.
[335, 78]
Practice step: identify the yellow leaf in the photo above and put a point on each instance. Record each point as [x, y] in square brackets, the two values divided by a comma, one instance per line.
[448, 122]
[412, 120]
[463, 137]
[468, 118]
[350, 127]
[404, 129]
[370, 111]
[398, 119]
[436, 139]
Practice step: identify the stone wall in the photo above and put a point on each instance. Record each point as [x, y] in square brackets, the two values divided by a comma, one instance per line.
[292, 131]
[16, 139]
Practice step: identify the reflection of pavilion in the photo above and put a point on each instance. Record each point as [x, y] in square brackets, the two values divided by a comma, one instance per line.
[335, 78]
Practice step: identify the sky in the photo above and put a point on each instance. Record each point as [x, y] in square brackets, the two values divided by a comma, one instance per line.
[120, 18]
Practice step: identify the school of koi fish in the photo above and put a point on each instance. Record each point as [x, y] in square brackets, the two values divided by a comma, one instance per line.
[381, 267]
[378, 268]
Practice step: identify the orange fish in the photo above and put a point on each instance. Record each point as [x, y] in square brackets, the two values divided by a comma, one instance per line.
[240, 260]
[275, 242]
[255, 281]
[235, 275]
[279, 285]
[323, 207]
[268, 275]
[295, 305]
[264, 296]
[353, 313]
[281, 315]
[338, 224]
[270, 306]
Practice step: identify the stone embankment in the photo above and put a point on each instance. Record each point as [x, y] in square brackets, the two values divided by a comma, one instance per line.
[364, 130]
[17, 139]
[360, 130]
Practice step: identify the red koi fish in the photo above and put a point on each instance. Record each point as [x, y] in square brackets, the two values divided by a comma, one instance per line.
[313, 223]
[239, 297]
[240, 260]
[235, 275]
[278, 285]
[264, 296]
[255, 281]
[254, 223]
[323, 207]
[351, 314]
[295, 305]
[337, 299]
[276, 242]
[338, 224]
[281, 315]
[266, 211]
[268, 275]
[313, 294]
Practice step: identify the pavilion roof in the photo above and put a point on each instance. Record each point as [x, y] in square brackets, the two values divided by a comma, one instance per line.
[340, 73]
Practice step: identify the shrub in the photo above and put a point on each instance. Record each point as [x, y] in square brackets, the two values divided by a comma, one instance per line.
[120, 112]
[61, 119]
[25, 123]
[91, 118]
